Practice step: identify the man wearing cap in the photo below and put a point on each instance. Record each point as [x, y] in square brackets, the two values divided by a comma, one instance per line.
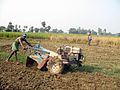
[15, 46]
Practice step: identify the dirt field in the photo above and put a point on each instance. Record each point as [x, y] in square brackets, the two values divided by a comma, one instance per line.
[19, 77]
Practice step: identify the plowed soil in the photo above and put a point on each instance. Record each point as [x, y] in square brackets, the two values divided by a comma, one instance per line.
[19, 77]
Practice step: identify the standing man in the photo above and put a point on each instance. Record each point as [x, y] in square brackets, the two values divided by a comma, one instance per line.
[89, 38]
[15, 46]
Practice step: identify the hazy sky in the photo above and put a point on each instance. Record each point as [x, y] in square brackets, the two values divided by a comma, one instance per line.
[62, 14]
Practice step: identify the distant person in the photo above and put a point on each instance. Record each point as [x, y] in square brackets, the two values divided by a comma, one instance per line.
[89, 38]
[15, 46]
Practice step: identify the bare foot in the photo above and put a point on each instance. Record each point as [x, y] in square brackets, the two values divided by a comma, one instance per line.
[17, 63]
[6, 60]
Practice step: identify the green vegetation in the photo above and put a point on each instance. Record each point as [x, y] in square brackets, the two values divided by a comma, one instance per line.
[21, 56]
[29, 35]
[3, 55]
[93, 69]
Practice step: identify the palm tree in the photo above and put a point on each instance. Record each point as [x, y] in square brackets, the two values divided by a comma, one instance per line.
[43, 23]
[10, 27]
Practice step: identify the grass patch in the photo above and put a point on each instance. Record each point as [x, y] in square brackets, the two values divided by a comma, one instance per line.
[21, 57]
[3, 55]
[92, 69]
[89, 69]
[115, 72]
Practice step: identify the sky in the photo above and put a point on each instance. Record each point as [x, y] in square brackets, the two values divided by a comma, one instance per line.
[62, 14]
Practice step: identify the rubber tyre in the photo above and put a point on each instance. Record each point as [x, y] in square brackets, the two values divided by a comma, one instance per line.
[55, 65]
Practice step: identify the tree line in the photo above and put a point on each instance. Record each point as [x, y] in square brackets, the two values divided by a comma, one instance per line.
[45, 28]
[85, 31]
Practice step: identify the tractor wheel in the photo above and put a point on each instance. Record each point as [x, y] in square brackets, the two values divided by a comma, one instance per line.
[55, 65]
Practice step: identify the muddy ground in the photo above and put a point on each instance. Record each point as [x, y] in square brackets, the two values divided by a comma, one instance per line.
[19, 77]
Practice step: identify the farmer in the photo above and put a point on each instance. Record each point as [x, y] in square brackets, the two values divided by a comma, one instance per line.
[15, 46]
[89, 38]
